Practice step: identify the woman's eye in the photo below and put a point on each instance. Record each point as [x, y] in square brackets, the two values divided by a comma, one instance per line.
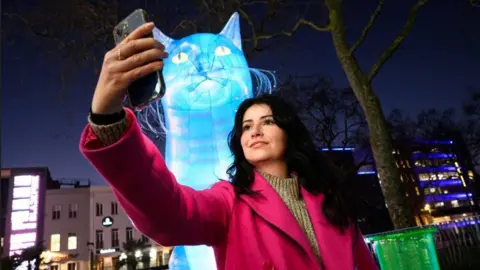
[246, 128]
[269, 122]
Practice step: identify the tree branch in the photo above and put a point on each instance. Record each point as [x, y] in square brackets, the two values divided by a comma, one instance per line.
[295, 28]
[256, 38]
[367, 27]
[388, 53]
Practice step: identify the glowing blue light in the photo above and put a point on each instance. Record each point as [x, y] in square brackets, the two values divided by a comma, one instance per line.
[440, 183]
[434, 141]
[431, 155]
[447, 197]
[338, 149]
[207, 77]
[366, 172]
[448, 168]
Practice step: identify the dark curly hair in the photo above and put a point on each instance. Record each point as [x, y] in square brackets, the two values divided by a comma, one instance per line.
[315, 172]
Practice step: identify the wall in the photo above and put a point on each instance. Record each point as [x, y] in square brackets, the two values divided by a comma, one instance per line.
[65, 224]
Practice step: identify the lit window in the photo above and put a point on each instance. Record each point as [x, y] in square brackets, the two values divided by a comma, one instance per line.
[455, 203]
[439, 204]
[72, 241]
[55, 242]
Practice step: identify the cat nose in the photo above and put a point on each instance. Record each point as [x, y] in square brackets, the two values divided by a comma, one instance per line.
[203, 67]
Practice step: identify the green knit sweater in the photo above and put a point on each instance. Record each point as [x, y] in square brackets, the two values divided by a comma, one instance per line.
[288, 190]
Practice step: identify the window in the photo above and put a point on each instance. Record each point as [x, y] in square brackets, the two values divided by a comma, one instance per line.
[114, 237]
[99, 239]
[455, 203]
[72, 210]
[144, 239]
[129, 233]
[99, 209]
[72, 241]
[439, 204]
[114, 208]
[55, 242]
[56, 209]
[54, 267]
[72, 266]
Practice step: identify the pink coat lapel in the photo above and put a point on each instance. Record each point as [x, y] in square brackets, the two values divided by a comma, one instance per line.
[268, 205]
[336, 248]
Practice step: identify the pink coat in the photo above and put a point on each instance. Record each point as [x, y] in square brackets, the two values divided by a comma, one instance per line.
[245, 232]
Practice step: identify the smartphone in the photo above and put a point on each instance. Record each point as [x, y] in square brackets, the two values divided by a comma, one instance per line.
[150, 88]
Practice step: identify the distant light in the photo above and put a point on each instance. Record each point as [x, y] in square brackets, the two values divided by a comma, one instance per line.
[366, 172]
[338, 149]
[441, 183]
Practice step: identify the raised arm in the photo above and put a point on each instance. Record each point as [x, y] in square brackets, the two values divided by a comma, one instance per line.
[162, 209]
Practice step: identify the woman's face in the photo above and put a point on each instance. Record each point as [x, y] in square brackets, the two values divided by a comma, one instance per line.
[262, 140]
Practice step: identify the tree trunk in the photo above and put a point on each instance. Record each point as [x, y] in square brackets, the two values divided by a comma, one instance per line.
[400, 212]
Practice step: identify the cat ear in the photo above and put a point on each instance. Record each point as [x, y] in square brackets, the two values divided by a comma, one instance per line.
[161, 37]
[232, 30]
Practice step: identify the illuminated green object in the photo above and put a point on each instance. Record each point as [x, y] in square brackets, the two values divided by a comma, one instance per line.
[406, 250]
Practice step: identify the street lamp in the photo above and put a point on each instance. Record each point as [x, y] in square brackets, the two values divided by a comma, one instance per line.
[91, 247]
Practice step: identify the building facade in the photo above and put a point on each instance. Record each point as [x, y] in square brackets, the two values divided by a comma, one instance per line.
[85, 228]
[80, 227]
[115, 240]
[67, 228]
[22, 208]
[438, 177]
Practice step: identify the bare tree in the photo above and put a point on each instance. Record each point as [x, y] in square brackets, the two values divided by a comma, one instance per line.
[333, 115]
[472, 126]
[428, 124]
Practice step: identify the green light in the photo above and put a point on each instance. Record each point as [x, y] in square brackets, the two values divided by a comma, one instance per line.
[407, 249]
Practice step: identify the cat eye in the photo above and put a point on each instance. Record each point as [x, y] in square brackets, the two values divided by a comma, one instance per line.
[222, 51]
[180, 58]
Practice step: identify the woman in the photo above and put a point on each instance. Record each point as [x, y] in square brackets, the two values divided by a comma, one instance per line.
[282, 208]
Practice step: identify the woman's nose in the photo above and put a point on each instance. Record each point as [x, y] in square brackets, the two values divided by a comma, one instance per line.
[256, 132]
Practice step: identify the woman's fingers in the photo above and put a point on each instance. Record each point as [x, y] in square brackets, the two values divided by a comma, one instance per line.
[142, 71]
[139, 59]
[139, 33]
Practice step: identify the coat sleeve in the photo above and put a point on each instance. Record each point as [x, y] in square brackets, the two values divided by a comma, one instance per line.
[165, 211]
[363, 256]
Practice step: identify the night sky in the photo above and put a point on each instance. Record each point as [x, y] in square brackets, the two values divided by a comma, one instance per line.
[435, 67]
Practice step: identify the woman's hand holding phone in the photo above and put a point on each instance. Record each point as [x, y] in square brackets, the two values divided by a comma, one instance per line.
[133, 58]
